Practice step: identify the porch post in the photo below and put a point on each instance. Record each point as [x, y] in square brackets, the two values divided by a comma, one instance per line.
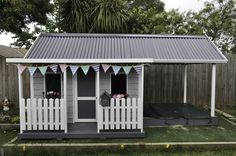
[65, 97]
[141, 91]
[20, 100]
[213, 89]
[185, 83]
[31, 86]
[98, 114]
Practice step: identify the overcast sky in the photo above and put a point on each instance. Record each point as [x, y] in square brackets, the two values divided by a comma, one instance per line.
[182, 5]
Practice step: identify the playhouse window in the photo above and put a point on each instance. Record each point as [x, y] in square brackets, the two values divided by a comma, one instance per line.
[118, 84]
[53, 85]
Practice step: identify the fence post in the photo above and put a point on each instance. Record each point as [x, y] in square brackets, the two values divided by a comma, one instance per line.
[40, 114]
[98, 107]
[29, 116]
[22, 115]
[56, 114]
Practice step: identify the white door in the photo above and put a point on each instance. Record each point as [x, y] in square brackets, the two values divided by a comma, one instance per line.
[85, 97]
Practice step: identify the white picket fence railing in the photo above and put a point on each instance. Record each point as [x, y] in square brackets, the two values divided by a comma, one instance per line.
[42, 114]
[122, 114]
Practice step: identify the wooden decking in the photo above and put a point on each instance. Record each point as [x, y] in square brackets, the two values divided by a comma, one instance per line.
[80, 130]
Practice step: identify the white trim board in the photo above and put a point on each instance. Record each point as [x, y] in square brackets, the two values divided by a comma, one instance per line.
[124, 60]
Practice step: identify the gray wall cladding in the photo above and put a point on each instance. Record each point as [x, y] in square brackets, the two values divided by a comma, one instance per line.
[105, 82]
[39, 88]
[38, 84]
[132, 78]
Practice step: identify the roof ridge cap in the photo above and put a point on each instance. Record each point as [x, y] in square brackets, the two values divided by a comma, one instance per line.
[121, 35]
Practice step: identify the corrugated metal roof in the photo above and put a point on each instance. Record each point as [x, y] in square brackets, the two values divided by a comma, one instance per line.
[124, 46]
[11, 52]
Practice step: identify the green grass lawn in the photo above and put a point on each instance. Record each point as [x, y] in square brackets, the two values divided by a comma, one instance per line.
[6, 136]
[230, 110]
[72, 151]
[224, 132]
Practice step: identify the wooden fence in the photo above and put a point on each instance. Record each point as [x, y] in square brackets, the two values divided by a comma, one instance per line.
[164, 83]
[42, 114]
[122, 114]
[9, 82]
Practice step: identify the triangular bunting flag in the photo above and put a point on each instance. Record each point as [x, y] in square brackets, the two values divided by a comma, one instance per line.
[63, 67]
[43, 69]
[32, 70]
[85, 69]
[105, 67]
[74, 69]
[138, 68]
[21, 68]
[127, 69]
[116, 69]
[54, 68]
[96, 67]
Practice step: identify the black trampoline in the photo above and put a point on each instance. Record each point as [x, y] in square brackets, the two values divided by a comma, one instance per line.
[159, 114]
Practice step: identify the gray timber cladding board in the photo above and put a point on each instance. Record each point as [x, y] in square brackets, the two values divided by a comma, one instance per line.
[132, 80]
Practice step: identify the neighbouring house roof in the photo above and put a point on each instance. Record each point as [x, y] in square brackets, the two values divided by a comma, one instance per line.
[6, 51]
[121, 48]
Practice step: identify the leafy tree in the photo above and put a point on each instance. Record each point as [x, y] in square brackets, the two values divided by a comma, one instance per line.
[15, 15]
[218, 21]
[149, 22]
[142, 14]
[156, 5]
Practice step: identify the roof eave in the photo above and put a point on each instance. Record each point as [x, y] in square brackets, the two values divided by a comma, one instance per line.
[133, 60]
[190, 61]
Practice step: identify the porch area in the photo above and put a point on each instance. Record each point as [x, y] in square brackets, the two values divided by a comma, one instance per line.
[75, 107]
[45, 118]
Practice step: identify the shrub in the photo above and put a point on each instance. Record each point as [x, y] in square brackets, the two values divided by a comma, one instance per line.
[15, 119]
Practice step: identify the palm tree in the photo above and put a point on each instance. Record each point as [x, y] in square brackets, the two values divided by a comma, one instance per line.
[109, 16]
[74, 15]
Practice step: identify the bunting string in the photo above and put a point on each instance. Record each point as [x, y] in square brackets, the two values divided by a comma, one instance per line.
[85, 68]
[105, 67]
[54, 68]
[43, 69]
[32, 70]
[74, 69]
[21, 68]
